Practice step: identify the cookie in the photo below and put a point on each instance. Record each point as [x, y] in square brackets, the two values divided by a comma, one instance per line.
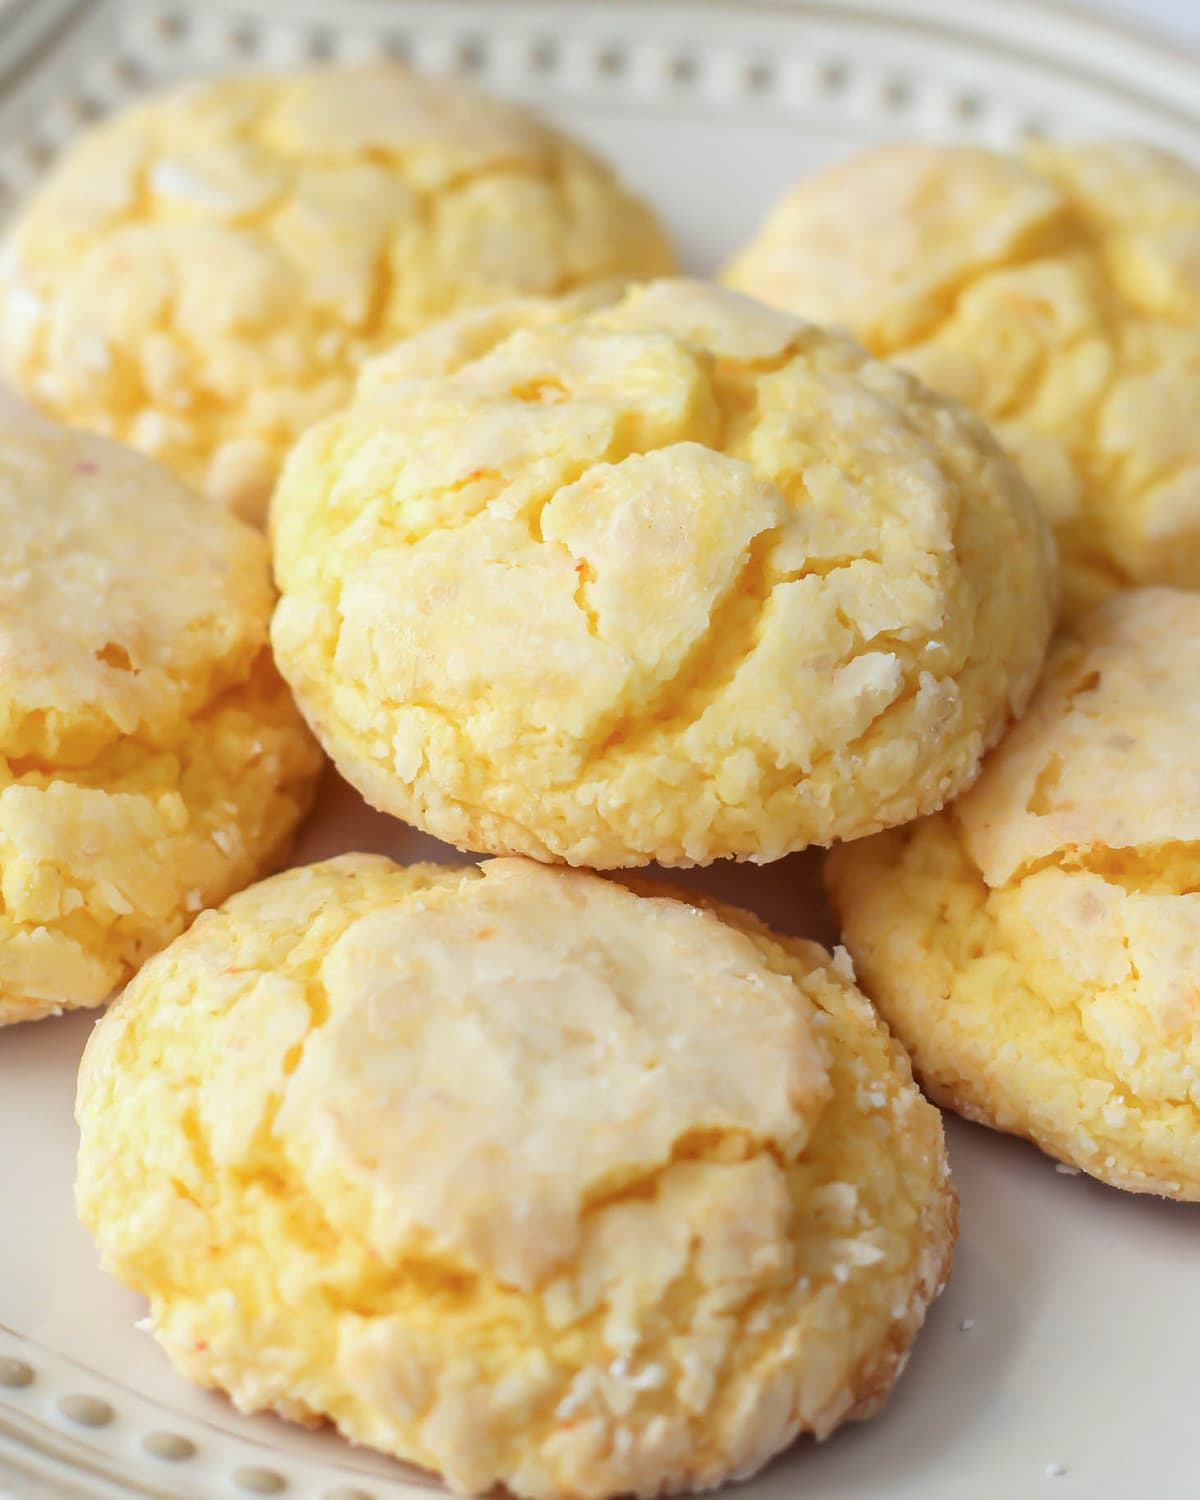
[202, 275]
[1035, 947]
[151, 759]
[516, 1174]
[670, 577]
[1056, 294]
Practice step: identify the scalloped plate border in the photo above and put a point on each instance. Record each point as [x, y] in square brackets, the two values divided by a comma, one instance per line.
[114, 1442]
[650, 55]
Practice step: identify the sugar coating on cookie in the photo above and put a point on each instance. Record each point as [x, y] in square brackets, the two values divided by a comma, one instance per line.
[1056, 294]
[1036, 947]
[201, 276]
[670, 576]
[151, 759]
[516, 1174]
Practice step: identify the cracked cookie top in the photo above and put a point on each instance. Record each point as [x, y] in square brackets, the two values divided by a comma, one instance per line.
[1035, 946]
[151, 759]
[202, 276]
[516, 1174]
[1055, 293]
[655, 575]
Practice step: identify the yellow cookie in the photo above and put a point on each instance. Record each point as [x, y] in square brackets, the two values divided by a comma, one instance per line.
[672, 577]
[203, 275]
[151, 760]
[1057, 294]
[516, 1174]
[1037, 946]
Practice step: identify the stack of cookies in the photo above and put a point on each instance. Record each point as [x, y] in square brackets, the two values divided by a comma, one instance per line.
[1036, 945]
[533, 1176]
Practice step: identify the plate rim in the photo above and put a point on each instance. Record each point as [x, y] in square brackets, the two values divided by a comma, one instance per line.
[1112, 46]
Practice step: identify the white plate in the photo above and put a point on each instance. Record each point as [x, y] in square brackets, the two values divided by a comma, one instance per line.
[1064, 1358]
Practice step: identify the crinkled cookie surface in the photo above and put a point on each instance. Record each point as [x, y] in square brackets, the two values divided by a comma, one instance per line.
[151, 760]
[670, 576]
[1057, 294]
[201, 276]
[516, 1174]
[1036, 946]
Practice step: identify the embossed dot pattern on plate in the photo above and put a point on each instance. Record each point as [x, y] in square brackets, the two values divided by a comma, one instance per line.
[15, 1374]
[543, 56]
[610, 59]
[126, 71]
[258, 1481]
[85, 108]
[242, 40]
[797, 83]
[86, 1411]
[896, 94]
[758, 76]
[321, 46]
[683, 69]
[171, 26]
[172, 1447]
[470, 55]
